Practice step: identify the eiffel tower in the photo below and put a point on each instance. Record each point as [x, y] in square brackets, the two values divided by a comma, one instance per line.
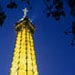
[24, 60]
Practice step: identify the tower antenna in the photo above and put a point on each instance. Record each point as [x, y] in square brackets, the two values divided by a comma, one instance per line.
[25, 14]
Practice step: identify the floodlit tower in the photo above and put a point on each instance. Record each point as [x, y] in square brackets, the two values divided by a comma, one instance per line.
[24, 60]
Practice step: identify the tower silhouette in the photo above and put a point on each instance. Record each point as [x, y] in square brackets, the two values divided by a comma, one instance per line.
[24, 60]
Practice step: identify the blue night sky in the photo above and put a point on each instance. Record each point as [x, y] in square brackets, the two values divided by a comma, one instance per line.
[55, 55]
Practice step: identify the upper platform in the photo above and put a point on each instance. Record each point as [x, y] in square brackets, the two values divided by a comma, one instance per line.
[25, 23]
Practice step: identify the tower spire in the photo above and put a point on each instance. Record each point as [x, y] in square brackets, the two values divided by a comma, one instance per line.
[25, 13]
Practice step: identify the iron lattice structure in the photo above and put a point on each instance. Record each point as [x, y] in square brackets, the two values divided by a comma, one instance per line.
[24, 60]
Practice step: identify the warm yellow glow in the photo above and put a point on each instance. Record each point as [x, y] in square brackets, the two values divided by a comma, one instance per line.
[24, 60]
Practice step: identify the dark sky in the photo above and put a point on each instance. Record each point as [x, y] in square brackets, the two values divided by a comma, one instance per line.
[55, 55]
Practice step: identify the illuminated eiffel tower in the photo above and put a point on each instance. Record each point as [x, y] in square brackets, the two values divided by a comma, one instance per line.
[24, 61]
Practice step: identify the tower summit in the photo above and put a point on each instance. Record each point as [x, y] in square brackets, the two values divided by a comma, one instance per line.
[24, 60]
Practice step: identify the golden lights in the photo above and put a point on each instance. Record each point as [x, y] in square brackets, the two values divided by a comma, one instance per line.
[24, 61]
